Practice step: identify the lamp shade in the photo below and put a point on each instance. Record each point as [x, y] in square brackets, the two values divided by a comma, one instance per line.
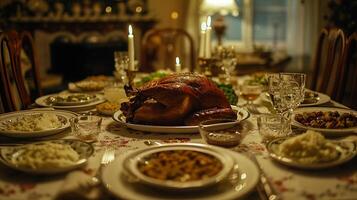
[224, 7]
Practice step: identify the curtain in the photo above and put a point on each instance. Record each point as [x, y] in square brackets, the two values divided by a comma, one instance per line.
[192, 20]
[302, 29]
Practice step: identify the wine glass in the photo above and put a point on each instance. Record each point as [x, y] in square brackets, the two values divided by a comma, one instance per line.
[228, 57]
[286, 91]
[121, 62]
[250, 92]
[275, 93]
[295, 84]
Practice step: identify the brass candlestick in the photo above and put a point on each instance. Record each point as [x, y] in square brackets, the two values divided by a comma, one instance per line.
[131, 76]
[219, 27]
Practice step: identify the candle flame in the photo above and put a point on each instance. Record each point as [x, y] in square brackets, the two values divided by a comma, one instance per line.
[203, 26]
[209, 21]
[177, 60]
[130, 30]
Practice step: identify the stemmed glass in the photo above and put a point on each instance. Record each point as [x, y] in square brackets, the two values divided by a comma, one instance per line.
[295, 84]
[275, 93]
[250, 92]
[121, 60]
[286, 91]
[228, 57]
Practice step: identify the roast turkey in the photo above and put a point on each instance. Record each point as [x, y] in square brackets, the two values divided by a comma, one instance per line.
[178, 99]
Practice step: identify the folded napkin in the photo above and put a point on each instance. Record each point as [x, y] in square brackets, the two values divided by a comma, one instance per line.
[80, 186]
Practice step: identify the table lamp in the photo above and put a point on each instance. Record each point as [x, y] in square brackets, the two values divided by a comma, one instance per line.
[223, 7]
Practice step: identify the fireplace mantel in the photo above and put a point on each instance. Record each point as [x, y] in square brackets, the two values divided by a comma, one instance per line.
[79, 25]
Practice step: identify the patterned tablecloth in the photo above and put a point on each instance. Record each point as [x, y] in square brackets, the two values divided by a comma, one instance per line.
[336, 183]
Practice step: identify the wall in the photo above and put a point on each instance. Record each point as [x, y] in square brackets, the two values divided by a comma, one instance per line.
[162, 10]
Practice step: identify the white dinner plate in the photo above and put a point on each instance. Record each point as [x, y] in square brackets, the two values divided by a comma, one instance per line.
[63, 116]
[9, 155]
[323, 98]
[243, 180]
[92, 97]
[132, 161]
[325, 131]
[41, 101]
[346, 151]
[118, 116]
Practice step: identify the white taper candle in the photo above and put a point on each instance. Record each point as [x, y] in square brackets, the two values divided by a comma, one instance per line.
[178, 65]
[202, 49]
[131, 49]
[208, 38]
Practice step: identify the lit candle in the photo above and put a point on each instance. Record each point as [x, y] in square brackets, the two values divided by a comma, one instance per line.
[208, 38]
[202, 40]
[131, 49]
[178, 65]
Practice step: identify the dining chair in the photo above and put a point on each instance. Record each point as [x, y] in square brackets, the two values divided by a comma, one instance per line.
[347, 87]
[10, 101]
[5, 98]
[19, 65]
[327, 81]
[320, 58]
[160, 47]
[29, 66]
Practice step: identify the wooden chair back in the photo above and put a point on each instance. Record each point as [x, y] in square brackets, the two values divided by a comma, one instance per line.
[347, 87]
[160, 47]
[17, 93]
[5, 59]
[32, 77]
[320, 58]
[326, 83]
[10, 95]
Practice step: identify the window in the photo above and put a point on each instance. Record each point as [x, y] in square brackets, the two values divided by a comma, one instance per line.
[269, 20]
[234, 24]
[261, 22]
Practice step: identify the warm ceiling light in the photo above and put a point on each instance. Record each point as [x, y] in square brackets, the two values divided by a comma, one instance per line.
[108, 9]
[174, 15]
[138, 9]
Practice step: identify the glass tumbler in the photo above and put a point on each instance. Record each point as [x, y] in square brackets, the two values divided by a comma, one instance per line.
[121, 60]
[220, 132]
[86, 127]
[272, 126]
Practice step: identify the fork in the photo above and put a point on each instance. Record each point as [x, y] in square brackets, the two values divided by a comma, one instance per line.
[108, 156]
[265, 189]
[253, 109]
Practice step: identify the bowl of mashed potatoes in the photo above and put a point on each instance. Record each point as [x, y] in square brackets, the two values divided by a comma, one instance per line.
[311, 150]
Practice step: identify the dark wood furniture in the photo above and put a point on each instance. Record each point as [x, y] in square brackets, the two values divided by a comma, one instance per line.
[27, 46]
[347, 83]
[160, 47]
[248, 63]
[78, 26]
[82, 46]
[320, 59]
[328, 71]
[335, 57]
[7, 62]
[16, 92]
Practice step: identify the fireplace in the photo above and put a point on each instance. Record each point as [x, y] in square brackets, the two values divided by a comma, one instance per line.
[77, 60]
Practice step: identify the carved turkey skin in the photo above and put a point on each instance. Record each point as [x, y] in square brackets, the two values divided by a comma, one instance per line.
[178, 99]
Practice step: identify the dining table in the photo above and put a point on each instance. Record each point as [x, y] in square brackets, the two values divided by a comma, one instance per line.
[339, 182]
